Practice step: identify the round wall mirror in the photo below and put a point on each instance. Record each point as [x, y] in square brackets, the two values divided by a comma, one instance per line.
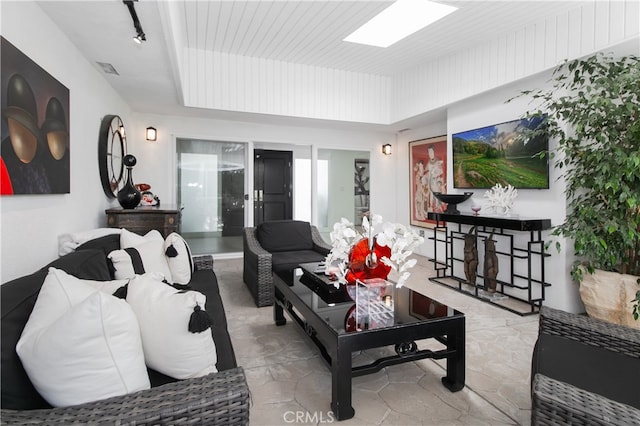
[112, 147]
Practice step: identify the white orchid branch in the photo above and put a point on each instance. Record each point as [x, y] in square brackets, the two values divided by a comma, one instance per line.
[400, 239]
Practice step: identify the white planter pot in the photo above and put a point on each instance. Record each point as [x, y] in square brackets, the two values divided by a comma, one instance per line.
[608, 295]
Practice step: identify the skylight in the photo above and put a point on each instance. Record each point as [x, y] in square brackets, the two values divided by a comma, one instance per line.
[401, 19]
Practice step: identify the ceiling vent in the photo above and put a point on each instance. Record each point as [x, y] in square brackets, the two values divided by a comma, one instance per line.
[107, 68]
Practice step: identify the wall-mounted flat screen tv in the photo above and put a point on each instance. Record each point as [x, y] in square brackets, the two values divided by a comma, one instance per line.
[502, 153]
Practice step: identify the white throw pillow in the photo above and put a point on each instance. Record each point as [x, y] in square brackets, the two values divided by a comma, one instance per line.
[178, 256]
[140, 254]
[109, 287]
[80, 344]
[164, 314]
[131, 239]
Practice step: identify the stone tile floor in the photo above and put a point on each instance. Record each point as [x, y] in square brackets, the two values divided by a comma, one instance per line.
[290, 383]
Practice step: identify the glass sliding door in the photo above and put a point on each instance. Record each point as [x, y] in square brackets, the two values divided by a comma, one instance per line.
[343, 187]
[211, 188]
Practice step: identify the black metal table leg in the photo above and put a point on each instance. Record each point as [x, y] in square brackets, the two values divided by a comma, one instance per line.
[454, 380]
[278, 314]
[341, 382]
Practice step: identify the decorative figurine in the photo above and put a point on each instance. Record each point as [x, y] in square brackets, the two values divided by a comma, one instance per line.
[148, 199]
[490, 264]
[129, 196]
[471, 256]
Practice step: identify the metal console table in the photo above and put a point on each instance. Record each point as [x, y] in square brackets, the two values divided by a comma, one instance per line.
[521, 289]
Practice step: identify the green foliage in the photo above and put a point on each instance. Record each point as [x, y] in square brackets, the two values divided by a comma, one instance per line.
[484, 171]
[593, 112]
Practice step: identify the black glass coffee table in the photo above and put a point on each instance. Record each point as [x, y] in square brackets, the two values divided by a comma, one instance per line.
[322, 311]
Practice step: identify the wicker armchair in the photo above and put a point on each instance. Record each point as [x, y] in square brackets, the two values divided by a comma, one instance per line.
[555, 401]
[259, 264]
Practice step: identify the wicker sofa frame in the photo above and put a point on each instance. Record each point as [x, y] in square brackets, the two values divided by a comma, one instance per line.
[555, 402]
[257, 271]
[220, 398]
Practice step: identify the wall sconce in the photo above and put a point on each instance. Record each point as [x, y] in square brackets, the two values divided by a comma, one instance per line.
[152, 134]
[386, 149]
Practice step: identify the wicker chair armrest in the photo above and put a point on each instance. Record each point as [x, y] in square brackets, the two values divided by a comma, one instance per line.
[590, 331]
[256, 271]
[253, 245]
[319, 244]
[555, 402]
[203, 262]
[220, 398]
[254, 254]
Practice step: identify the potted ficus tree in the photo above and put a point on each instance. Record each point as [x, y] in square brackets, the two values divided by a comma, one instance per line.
[592, 110]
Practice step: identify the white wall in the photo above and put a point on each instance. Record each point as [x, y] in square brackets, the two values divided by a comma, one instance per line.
[156, 161]
[531, 203]
[490, 108]
[276, 87]
[484, 110]
[518, 54]
[30, 224]
[403, 173]
[247, 84]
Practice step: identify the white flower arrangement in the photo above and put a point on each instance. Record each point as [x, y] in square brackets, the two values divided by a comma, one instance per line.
[400, 239]
[501, 198]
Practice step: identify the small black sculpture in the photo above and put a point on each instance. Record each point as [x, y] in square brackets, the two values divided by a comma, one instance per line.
[129, 196]
[490, 264]
[471, 256]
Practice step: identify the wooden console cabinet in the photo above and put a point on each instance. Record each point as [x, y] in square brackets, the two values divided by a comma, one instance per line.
[145, 218]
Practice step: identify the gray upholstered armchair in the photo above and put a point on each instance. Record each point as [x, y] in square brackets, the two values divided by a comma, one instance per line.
[275, 246]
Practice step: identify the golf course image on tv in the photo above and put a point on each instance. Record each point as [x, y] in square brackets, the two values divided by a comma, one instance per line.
[502, 153]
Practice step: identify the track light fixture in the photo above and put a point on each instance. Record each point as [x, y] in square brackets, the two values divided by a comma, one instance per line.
[140, 36]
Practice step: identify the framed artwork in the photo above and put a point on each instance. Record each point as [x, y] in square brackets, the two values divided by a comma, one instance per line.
[361, 189]
[428, 166]
[502, 153]
[34, 152]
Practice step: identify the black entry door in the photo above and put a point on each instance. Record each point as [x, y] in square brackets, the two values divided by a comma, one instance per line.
[272, 185]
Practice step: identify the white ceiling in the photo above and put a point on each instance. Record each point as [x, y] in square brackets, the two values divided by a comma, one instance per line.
[311, 32]
[304, 32]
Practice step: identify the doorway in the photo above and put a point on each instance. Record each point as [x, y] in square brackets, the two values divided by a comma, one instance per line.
[343, 187]
[273, 185]
[211, 188]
